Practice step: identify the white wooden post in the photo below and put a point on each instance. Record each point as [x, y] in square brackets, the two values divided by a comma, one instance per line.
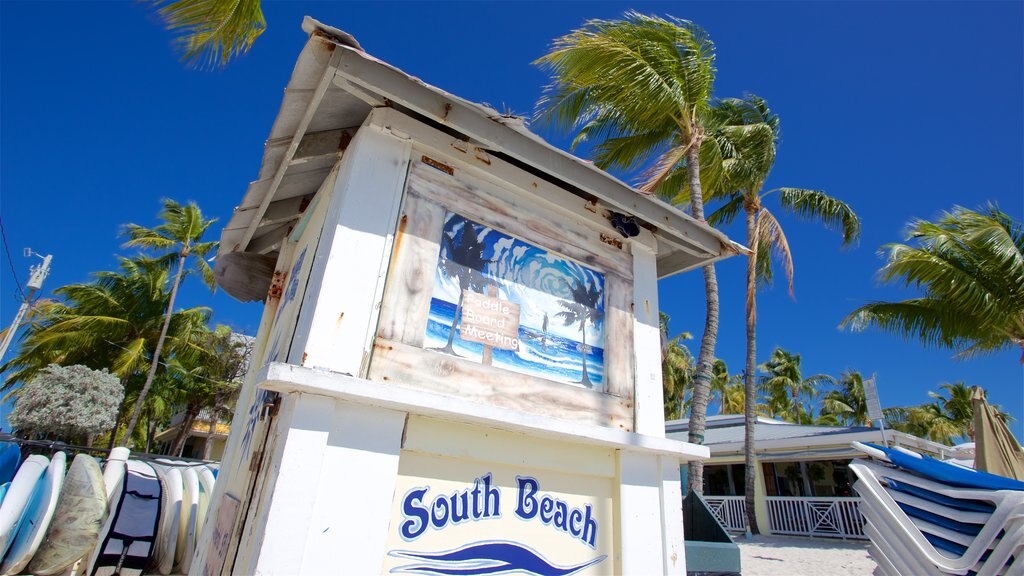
[650, 411]
[334, 477]
[640, 515]
[339, 314]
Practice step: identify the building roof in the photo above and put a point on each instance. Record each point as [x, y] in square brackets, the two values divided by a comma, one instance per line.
[724, 436]
[335, 85]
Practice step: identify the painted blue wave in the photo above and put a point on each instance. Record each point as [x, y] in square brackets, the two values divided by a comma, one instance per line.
[487, 558]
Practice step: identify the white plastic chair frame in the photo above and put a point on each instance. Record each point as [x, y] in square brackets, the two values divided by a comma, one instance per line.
[883, 509]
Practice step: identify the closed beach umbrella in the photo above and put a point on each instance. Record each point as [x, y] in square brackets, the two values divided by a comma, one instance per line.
[995, 449]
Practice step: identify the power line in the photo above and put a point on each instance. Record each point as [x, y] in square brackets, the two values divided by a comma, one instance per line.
[10, 261]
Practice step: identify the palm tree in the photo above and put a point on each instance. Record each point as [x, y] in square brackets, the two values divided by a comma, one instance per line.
[213, 31]
[748, 135]
[463, 262]
[733, 398]
[946, 418]
[970, 267]
[640, 88]
[582, 309]
[785, 384]
[677, 368]
[848, 402]
[179, 237]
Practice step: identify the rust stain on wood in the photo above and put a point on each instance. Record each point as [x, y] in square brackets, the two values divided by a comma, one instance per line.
[438, 165]
[611, 240]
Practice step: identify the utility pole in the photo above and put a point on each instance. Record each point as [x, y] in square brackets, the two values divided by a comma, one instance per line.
[37, 274]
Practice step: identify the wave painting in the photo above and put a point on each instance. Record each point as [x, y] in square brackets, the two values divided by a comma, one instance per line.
[486, 558]
[543, 313]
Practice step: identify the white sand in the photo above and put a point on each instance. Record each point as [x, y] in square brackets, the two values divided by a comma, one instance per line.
[793, 556]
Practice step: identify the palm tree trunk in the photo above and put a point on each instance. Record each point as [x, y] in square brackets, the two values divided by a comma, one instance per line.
[159, 348]
[706, 357]
[583, 334]
[181, 436]
[750, 392]
[208, 445]
[117, 419]
[455, 322]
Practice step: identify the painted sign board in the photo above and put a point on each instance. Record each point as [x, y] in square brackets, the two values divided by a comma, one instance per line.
[456, 516]
[871, 399]
[541, 313]
[489, 321]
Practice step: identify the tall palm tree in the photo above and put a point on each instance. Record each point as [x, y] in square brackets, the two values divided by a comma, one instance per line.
[581, 309]
[970, 267]
[848, 402]
[179, 238]
[748, 135]
[463, 261]
[785, 385]
[213, 32]
[640, 88]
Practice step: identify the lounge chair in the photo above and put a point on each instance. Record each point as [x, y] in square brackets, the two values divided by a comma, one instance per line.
[925, 515]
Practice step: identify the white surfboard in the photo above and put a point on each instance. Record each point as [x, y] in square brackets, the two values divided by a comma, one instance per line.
[113, 470]
[18, 495]
[206, 481]
[37, 517]
[170, 518]
[189, 513]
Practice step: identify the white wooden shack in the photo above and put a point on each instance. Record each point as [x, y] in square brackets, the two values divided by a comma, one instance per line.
[458, 364]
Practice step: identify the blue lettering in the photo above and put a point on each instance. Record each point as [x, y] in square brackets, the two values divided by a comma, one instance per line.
[526, 506]
[589, 528]
[456, 515]
[491, 494]
[547, 506]
[417, 523]
[561, 515]
[575, 518]
[439, 515]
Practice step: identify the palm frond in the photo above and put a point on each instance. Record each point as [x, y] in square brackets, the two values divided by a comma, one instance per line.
[816, 205]
[213, 32]
[771, 236]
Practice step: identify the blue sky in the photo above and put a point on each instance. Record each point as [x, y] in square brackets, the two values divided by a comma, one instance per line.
[901, 109]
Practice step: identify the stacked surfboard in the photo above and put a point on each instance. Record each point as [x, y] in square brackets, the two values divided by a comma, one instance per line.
[129, 517]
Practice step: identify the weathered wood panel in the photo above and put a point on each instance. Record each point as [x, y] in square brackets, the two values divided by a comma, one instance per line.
[412, 367]
[519, 216]
[618, 336]
[411, 278]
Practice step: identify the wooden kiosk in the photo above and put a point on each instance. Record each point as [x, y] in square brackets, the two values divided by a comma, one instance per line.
[458, 366]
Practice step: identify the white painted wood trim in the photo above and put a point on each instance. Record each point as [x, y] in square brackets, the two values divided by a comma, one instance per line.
[465, 157]
[650, 411]
[640, 515]
[339, 317]
[325, 82]
[286, 378]
[672, 517]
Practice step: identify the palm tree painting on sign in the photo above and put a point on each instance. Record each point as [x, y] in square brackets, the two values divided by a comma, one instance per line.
[494, 299]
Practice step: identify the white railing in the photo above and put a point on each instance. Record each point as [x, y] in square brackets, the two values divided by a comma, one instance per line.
[731, 511]
[818, 516]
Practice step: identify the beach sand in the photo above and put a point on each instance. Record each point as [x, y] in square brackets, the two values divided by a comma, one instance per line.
[794, 556]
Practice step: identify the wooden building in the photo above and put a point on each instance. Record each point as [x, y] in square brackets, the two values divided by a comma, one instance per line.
[459, 358]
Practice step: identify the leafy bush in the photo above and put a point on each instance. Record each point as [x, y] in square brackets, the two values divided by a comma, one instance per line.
[68, 401]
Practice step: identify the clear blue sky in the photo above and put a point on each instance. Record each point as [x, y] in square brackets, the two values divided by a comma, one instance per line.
[901, 109]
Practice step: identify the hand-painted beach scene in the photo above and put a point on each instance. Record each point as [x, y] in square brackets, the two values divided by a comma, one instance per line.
[503, 301]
